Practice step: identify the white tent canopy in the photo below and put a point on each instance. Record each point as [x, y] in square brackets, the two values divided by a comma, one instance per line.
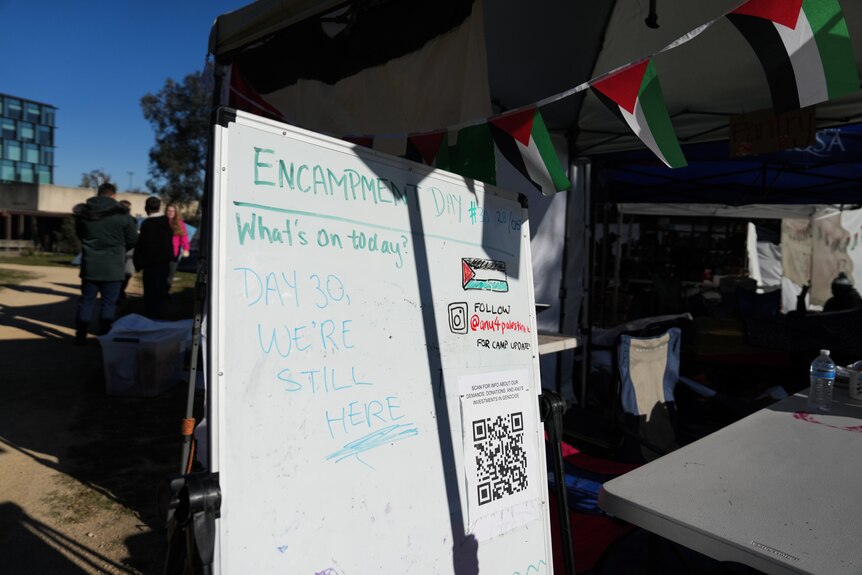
[545, 48]
[514, 54]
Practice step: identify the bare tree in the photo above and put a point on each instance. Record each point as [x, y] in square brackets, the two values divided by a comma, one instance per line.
[95, 178]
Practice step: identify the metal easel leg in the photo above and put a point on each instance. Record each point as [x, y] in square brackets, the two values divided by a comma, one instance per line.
[551, 407]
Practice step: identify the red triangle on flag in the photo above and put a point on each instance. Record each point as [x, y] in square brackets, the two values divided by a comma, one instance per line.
[624, 86]
[519, 125]
[244, 97]
[784, 12]
[467, 272]
[428, 145]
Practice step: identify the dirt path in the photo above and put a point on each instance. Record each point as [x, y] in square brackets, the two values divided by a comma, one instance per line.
[78, 469]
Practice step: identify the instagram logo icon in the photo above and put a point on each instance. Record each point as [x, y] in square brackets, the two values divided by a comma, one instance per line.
[458, 317]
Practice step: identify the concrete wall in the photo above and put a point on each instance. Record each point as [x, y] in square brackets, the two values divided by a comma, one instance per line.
[15, 196]
[61, 199]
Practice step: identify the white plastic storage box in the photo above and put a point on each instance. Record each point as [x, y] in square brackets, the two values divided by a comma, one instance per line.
[143, 357]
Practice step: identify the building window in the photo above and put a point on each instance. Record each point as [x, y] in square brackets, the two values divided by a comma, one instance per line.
[12, 150]
[31, 112]
[7, 129]
[1, 105]
[43, 136]
[13, 108]
[26, 172]
[48, 115]
[26, 132]
[31, 153]
[7, 170]
[44, 174]
[46, 156]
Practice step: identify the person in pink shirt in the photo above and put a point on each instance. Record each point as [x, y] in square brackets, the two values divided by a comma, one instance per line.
[181, 239]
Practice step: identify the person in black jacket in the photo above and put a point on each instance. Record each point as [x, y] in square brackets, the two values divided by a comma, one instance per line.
[844, 295]
[106, 231]
[153, 254]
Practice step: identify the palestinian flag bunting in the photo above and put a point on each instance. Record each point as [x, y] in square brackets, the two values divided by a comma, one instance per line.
[634, 95]
[468, 152]
[523, 139]
[804, 48]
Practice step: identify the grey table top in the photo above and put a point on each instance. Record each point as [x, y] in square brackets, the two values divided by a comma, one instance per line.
[554, 342]
[780, 490]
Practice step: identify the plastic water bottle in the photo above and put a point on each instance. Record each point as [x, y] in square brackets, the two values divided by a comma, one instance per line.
[822, 379]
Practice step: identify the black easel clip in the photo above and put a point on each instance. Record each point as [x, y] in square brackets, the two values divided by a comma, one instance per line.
[191, 504]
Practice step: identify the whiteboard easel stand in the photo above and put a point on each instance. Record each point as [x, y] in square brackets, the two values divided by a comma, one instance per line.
[190, 502]
[237, 138]
[551, 408]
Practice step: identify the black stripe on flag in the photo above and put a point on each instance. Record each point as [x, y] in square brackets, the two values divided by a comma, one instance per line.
[612, 106]
[412, 153]
[767, 45]
[509, 148]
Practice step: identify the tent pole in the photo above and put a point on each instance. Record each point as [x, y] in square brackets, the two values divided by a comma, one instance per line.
[618, 256]
[563, 292]
[587, 278]
[605, 245]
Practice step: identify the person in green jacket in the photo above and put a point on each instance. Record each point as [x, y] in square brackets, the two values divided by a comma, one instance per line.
[106, 231]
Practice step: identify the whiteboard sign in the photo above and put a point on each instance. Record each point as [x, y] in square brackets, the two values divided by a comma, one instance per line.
[374, 364]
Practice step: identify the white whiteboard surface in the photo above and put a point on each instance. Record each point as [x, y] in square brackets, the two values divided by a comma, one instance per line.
[374, 343]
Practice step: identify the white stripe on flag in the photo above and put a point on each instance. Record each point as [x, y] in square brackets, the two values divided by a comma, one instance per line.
[638, 123]
[536, 167]
[805, 57]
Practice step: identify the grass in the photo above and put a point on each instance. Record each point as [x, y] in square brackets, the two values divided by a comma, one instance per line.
[183, 281]
[181, 305]
[72, 502]
[13, 277]
[39, 259]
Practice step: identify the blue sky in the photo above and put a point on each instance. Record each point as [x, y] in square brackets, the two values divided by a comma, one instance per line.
[94, 60]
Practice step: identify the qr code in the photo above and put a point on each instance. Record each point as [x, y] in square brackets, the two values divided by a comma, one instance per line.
[501, 462]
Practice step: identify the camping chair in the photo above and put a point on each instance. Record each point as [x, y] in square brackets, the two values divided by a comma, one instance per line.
[648, 371]
[633, 415]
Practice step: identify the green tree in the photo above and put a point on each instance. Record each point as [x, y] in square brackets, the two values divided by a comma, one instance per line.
[66, 240]
[95, 178]
[179, 115]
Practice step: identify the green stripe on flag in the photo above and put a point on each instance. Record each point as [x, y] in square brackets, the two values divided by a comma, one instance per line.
[652, 103]
[543, 143]
[833, 42]
[472, 156]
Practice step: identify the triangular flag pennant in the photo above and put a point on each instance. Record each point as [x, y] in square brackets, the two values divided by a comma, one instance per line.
[804, 48]
[524, 140]
[424, 148]
[243, 97]
[469, 152]
[634, 95]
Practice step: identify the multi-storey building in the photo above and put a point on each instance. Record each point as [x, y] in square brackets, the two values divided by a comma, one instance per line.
[32, 208]
[26, 140]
